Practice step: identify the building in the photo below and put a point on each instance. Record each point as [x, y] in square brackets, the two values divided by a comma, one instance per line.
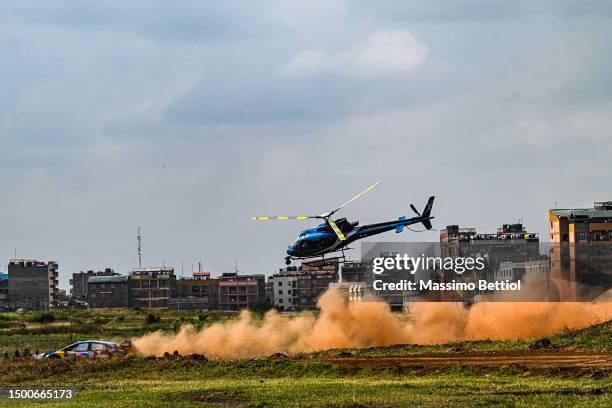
[511, 243]
[269, 291]
[284, 288]
[505, 253]
[151, 287]
[79, 282]
[582, 224]
[581, 251]
[313, 279]
[199, 292]
[237, 292]
[355, 271]
[32, 284]
[107, 291]
[3, 287]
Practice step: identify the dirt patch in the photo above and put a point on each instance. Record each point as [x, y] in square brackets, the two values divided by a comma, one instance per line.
[564, 363]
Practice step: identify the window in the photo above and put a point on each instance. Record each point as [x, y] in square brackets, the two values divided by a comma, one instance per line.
[78, 347]
[280, 283]
[99, 346]
[280, 292]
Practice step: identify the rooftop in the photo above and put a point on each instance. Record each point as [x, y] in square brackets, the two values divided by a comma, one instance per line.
[602, 210]
[30, 262]
[108, 279]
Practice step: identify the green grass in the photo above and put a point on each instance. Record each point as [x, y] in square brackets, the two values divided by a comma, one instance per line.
[280, 382]
[290, 383]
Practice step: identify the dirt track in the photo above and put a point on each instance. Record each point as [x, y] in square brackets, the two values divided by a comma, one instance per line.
[546, 360]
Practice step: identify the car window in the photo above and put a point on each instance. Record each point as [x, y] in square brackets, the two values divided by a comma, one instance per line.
[98, 346]
[78, 347]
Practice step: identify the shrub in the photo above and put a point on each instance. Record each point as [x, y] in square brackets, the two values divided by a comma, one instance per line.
[44, 317]
[176, 325]
[151, 319]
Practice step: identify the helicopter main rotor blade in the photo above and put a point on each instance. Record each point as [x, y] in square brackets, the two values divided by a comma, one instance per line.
[337, 230]
[373, 186]
[280, 217]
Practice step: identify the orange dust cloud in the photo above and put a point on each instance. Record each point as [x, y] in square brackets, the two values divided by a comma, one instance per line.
[343, 324]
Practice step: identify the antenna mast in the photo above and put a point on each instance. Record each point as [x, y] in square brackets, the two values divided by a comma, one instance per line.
[139, 240]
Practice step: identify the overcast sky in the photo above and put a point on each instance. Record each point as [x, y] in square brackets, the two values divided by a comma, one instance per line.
[186, 118]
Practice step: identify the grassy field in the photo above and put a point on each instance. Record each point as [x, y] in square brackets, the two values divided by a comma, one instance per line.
[47, 331]
[311, 380]
[295, 383]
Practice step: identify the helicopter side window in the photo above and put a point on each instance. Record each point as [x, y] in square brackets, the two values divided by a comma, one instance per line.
[327, 242]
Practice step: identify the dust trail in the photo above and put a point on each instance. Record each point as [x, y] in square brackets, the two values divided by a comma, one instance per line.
[341, 324]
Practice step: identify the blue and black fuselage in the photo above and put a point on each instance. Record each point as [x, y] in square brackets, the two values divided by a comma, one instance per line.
[322, 239]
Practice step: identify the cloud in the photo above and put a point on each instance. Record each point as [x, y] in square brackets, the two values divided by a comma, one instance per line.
[437, 98]
[314, 85]
[384, 52]
[185, 21]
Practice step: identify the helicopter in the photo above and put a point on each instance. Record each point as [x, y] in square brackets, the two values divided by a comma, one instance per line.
[336, 235]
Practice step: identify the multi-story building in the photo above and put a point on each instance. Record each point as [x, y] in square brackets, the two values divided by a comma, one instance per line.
[32, 284]
[504, 253]
[355, 271]
[581, 251]
[269, 291]
[3, 287]
[582, 224]
[199, 292]
[79, 281]
[284, 288]
[151, 287]
[237, 292]
[107, 291]
[313, 279]
[511, 243]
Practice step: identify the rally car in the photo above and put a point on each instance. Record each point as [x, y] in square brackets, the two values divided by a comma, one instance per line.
[85, 349]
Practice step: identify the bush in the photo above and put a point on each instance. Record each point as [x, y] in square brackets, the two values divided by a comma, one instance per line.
[44, 317]
[152, 319]
[176, 325]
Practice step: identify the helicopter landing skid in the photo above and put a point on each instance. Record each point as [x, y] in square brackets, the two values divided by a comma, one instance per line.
[341, 259]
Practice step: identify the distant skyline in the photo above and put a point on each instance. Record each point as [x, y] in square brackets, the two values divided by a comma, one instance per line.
[188, 118]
